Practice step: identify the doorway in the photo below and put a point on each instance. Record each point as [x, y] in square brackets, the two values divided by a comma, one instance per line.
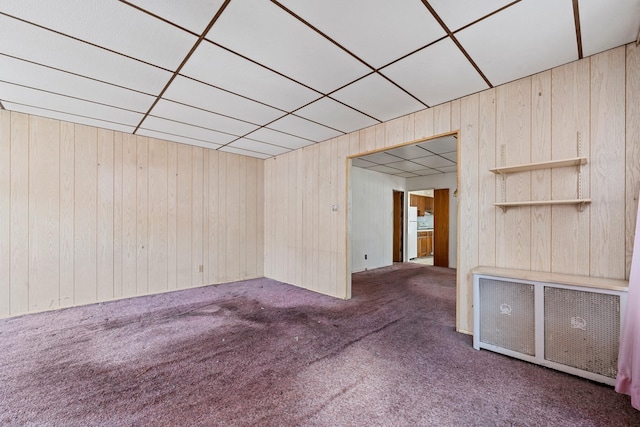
[398, 226]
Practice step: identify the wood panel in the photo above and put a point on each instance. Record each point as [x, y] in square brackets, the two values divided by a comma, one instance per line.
[142, 229]
[5, 213]
[158, 221]
[442, 118]
[172, 216]
[513, 227]
[632, 169]
[105, 206]
[486, 180]
[129, 215]
[468, 202]
[85, 214]
[607, 159]
[570, 115]
[324, 218]
[184, 212]
[197, 267]
[299, 247]
[232, 205]
[19, 246]
[44, 214]
[223, 220]
[67, 206]
[424, 123]
[541, 179]
[89, 215]
[118, 187]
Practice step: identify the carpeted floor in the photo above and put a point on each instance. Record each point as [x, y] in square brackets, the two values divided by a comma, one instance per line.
[268, 354]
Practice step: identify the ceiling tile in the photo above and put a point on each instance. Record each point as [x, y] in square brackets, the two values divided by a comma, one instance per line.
[459, 13]
[44, 47]
[264, 32]
[182, 113]
[436, 74]
[64, 104]
[258, 147]
[66, 117]
[233, 150]
[447, 169]
[380, 158]
[279, 138]
[407, 175]
[377, 97]
[333, 114]
[445, 144]
[385, 169]
[427, 172]
[378, 32]
[110, 24]
[176, 138]
[604, 27]
[361, 163]
[524, 39]
[39, 77]
[453, 156]
[194, 15]
[434, 162]
[181, 129]
[216, 66]
[408, 152]
[406, 166]
[304, 128]
[191, 92]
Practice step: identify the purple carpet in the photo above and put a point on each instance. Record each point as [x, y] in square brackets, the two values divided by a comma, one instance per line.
[264, 353]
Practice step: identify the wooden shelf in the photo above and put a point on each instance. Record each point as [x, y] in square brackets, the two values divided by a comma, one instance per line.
[576, 161]
[505, 205]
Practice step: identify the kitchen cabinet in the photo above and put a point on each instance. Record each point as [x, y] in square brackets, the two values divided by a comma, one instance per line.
[425, 243]
[424, 204]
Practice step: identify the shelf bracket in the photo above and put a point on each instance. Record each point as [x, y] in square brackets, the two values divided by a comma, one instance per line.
[503, 162]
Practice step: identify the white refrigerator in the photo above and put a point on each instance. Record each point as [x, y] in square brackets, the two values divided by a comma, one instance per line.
[412, 240]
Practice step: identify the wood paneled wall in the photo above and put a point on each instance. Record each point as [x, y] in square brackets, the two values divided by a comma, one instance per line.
[536, 118]
[90, 215]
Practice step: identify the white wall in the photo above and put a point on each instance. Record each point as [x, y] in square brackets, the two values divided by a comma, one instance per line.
[372, 218]
[441, 181]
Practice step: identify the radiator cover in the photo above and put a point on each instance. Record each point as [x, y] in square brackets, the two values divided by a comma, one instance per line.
[570, 328]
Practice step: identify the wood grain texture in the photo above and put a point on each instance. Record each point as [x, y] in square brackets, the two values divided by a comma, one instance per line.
[44, 214]
[632, 167]
[299, 165]
[129, 215]
[570, 115]
[172, 215]
[5, 213]
[513, 227]
[197, 221]
[184, 211]
[442, 118]
[325, 281]
[86, 215]
[91, 215]
[19, 245]
[157, 216]
[607, 160]
[487, 156]
[423, 123]
[142, 229]
[214, 217]
[104, 240]
[541, 179]
[468, 202]
[117, 214]
[394, 132]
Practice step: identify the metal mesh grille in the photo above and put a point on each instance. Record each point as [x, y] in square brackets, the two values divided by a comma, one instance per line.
[507, 315]
[582, 329]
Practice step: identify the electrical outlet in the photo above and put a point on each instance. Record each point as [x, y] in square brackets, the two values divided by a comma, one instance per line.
[365, 256]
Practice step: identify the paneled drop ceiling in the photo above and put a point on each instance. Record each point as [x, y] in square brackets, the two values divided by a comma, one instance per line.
[261, 78]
